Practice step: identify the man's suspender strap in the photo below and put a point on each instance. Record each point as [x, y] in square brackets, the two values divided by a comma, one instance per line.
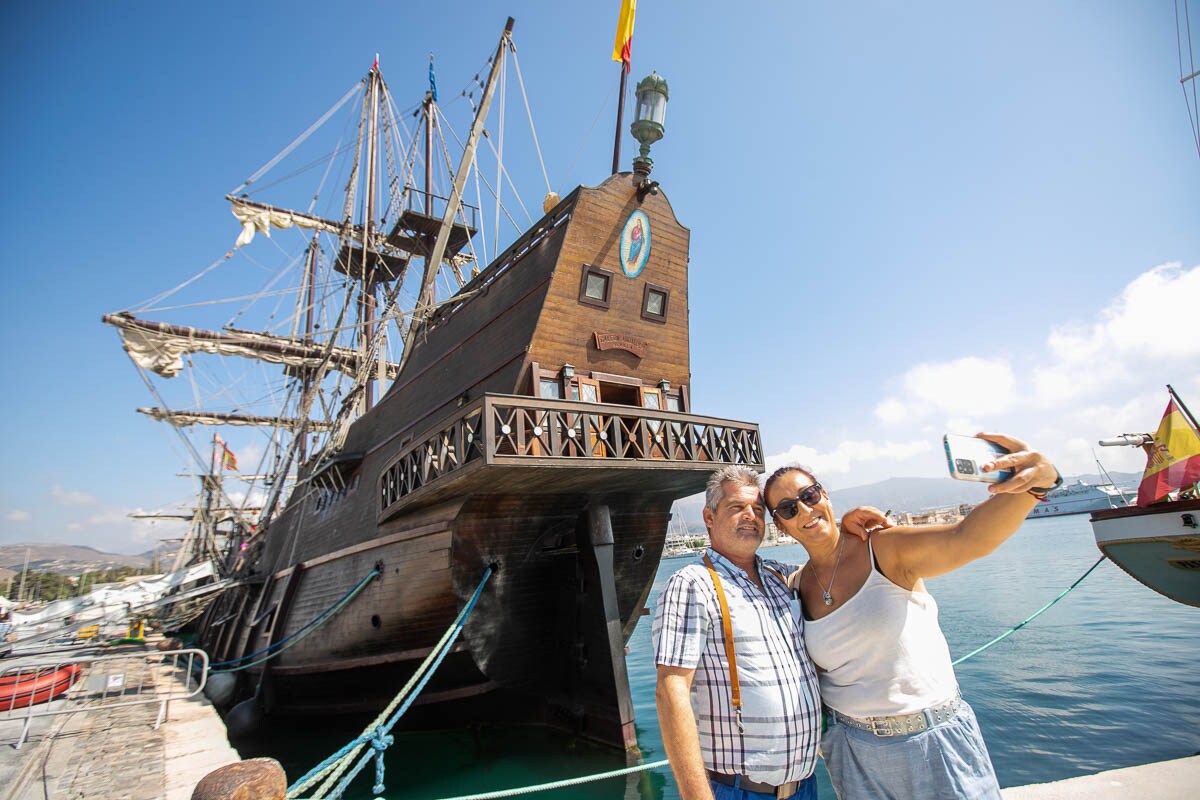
[735, 688]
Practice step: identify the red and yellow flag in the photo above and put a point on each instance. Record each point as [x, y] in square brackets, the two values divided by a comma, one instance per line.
[1173, 457]
[228, 459]
[623, 46]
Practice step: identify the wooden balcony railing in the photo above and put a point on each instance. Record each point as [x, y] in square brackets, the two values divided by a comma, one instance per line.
[517, 430]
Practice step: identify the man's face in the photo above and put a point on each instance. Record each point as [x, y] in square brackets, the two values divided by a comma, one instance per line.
[736, 527]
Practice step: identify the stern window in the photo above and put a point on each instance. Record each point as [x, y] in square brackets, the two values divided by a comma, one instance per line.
[595, 288]
[654, 303]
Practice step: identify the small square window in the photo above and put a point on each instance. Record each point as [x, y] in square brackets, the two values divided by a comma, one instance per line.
[550, 387]
[595, 288]
[654, 303]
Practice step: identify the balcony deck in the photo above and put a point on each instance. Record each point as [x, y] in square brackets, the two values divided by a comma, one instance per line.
[510, 444]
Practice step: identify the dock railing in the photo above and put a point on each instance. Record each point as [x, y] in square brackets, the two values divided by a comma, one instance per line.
[90, 684]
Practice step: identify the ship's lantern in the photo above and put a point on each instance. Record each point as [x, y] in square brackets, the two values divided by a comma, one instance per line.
[647, 126]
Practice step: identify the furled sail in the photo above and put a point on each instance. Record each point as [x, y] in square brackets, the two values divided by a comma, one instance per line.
[260, 217]
[182, 419]
[159, 347]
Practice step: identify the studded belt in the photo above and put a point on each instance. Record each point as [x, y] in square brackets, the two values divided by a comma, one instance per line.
[902, 724]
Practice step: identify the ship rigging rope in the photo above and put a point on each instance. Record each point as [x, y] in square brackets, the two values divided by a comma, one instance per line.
[300, 139]
[1183, 31]
[301, 632]
[377, 733]
[479, 174]
[541, 787]
[529, 113]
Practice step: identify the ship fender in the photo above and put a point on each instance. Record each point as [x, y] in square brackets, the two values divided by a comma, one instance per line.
[244, 718]
[220, 688]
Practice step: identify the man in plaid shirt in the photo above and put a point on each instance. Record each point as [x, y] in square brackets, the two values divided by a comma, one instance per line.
[765, 743]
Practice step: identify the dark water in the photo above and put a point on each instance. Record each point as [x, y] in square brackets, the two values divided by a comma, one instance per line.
[1107, 678]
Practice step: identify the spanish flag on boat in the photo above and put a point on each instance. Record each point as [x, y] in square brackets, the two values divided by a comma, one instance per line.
[623, 46]
[1173, 458]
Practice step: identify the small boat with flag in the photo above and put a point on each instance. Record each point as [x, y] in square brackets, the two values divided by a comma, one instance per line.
[1157, 540]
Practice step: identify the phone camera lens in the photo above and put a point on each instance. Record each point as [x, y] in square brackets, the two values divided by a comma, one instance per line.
[965, 466]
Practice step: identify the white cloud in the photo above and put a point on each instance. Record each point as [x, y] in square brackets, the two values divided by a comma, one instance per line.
[970, 385]
[17, 515]
[68, 498]
[1152, 321]
[117, 522]
[892, 410]
[846, 455]
[248, 457]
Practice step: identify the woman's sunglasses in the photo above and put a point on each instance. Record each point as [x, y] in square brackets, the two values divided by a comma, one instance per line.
[809, 496]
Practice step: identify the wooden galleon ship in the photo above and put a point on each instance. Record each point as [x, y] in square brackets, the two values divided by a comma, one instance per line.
[538, 421]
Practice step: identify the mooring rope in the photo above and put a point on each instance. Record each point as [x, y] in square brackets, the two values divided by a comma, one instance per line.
[303, 632]
[541, 787]
[376, 735]
[1030, 618]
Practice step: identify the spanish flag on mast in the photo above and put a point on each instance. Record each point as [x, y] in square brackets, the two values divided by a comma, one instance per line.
[1173, 458]
[623, 46]
[228, 459]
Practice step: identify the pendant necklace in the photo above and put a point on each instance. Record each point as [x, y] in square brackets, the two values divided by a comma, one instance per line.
[826, 596]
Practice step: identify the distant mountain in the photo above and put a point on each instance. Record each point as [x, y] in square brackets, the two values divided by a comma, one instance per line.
[65, 559]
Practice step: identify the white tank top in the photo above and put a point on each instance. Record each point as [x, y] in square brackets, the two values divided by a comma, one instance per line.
[881, 652]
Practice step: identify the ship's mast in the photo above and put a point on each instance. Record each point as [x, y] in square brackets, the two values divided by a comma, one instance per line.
[367, 294]
[428, 106]
[309, 298]
[425, 300]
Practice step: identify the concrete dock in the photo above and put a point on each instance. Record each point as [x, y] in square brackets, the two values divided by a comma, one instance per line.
[1164, 780]
[115, 752]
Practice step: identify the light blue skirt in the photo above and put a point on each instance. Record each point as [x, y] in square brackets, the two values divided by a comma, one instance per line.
[948, 762]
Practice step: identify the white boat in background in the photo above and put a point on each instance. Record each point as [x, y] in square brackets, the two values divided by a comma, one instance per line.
[1079, 498]
[1157, 541]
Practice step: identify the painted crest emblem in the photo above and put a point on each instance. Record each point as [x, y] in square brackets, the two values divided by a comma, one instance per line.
[635, 244]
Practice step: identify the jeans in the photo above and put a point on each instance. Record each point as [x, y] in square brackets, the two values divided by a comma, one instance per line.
[946, 762]
[807, 791]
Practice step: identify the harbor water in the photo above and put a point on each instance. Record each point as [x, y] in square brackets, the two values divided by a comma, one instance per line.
[1106, 678]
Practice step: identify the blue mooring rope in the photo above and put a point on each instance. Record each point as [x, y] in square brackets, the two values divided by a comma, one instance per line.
[1030, 618]
[315, 622]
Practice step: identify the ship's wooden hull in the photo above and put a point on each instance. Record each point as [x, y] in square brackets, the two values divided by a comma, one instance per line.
[540, 426]
[537, 647]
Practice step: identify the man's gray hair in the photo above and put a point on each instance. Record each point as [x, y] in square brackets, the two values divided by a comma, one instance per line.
[733, 473]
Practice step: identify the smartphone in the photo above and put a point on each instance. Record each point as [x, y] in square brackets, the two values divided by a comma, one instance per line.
[966, 454]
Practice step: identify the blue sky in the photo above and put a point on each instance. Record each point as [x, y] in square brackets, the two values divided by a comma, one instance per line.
[906, 218]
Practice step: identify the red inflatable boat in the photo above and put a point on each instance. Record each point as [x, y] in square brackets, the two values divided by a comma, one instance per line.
[30, 688]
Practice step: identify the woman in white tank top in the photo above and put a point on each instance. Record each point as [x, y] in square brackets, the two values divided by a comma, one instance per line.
[898, 726]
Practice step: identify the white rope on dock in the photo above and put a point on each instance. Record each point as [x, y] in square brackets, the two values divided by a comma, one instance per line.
[542, 787]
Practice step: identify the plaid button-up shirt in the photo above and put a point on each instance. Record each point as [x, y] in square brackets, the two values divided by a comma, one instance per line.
[781, 706]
